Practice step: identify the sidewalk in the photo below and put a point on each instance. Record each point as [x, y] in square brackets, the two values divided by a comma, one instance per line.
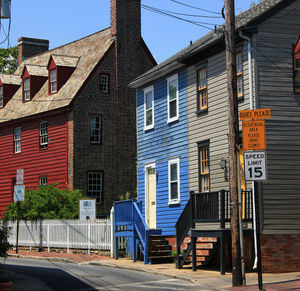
[210, 280]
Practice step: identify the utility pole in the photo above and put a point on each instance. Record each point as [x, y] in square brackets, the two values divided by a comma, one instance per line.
[233, 139]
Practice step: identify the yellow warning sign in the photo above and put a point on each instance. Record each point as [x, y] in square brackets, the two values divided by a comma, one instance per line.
[255, 114]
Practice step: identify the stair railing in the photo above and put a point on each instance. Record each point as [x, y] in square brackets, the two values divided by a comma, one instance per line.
[127, 215]
[183, 226]
[141, 229]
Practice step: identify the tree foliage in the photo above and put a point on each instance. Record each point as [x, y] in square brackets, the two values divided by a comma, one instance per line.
[46, 202]
[8, 60]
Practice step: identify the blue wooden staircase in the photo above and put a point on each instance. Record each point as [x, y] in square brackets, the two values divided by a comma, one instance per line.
[129, 222]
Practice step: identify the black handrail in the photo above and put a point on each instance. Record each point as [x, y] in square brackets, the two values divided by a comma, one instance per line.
[207, 207]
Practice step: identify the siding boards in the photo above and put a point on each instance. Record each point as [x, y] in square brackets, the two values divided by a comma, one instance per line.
[213, 124]
[160, 144]
[281, 193]
[36, 162]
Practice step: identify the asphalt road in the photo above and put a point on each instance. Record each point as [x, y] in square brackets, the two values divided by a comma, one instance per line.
[67, 276]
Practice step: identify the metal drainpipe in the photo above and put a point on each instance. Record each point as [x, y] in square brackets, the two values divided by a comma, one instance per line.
[251, 107]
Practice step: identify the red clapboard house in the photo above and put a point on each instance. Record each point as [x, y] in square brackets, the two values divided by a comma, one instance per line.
[68, 116]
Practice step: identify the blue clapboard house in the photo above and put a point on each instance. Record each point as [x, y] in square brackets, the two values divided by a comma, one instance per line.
[162, 165]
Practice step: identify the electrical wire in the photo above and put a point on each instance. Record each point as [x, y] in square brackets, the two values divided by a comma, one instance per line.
[205, 10]
[156, 10]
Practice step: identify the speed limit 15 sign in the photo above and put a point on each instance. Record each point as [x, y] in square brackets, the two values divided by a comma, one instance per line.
[255, 165]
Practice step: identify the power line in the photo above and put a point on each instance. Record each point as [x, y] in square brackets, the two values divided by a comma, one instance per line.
[156, 10]
[205, 10]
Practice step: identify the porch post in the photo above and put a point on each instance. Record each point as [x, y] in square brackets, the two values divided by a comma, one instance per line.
[194, 253]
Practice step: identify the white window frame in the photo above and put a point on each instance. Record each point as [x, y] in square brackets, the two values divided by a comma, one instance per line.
[53, 81]
[104, 83]
[170, 163]
[43, 181]
[99, 129]
[43, 134]
[1, 97]
[169, 80]
[91, 191]
[17, 139]
[150, 126]
[26, 84]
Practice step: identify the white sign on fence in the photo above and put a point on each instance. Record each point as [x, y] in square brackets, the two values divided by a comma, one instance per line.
[20, 176]
[255, 165]
[19, 193]
[87, 209]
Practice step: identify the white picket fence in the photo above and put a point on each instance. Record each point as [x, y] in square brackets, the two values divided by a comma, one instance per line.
[77, 234]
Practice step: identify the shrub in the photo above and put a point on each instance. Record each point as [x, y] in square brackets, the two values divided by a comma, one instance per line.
[46, 202]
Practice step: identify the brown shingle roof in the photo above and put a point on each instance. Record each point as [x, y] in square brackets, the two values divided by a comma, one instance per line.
[11, 79]
[88, 50]
[35, 70]
[66, 61]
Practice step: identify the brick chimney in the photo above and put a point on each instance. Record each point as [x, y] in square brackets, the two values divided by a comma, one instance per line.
[125, 18]
[28, 47]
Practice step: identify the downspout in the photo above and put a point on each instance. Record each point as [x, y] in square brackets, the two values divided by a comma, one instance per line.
[251, 107]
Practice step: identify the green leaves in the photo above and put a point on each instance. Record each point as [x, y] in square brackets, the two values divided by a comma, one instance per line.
[47, 202]
[8, 60]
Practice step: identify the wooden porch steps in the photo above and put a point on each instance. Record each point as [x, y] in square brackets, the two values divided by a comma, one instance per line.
[159, 250]
[205, 249]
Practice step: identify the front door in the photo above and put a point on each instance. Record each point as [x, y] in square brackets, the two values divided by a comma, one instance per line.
[151, 197]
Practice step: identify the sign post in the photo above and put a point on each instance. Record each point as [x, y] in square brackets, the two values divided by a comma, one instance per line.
[253, 131]
[19, 194]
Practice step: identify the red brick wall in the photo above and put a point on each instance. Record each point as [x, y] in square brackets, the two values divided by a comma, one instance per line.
[280, 253]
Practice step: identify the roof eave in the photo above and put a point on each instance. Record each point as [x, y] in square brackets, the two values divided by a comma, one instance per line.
[145, 79]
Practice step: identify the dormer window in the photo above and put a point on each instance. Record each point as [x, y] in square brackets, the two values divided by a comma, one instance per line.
[60, 68]
[26, 89]
[53, 83]
[1, 96]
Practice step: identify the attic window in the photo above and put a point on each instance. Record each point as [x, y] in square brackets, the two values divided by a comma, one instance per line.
[297, 67]
[104, 83]
[53, 82]
[27, 89]
[1, 96]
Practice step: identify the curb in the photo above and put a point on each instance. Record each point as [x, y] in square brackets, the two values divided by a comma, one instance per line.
[54, 259]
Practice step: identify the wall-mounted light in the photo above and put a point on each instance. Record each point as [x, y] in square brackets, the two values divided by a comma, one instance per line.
[222, 163]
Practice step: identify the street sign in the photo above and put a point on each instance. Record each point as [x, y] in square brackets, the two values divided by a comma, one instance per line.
[253, 133]
[19, 193]
[255, 165]
[255, 114]
[20, 176]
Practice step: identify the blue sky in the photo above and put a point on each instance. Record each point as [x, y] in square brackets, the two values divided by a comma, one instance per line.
[62, 21]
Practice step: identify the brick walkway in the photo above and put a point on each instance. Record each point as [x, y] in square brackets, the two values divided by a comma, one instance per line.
[78, 258]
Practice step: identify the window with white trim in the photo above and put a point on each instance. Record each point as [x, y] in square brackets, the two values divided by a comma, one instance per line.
[43, 134]
[27, 89]
[53, 81]
[43, 181]
[95, 129]
[148, 108]
[104, 83]
[95, 185]
[17, 139]
[173, 113]
[174, 180]
[1, 97]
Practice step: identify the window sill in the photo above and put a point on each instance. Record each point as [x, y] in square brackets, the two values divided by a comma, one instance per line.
[174, 202]
[199, 112]
[148, 128]
[44, 148]
[173, 119]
